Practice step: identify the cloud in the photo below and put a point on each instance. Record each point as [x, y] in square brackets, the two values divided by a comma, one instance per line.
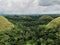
[49, 2]
[29, 6]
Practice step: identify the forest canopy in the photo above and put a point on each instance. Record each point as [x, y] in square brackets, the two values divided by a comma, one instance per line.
[30, 30]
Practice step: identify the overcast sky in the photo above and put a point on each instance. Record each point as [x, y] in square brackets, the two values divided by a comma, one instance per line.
[30, 6]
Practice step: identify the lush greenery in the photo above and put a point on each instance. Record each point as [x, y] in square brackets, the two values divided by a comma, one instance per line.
[32, 30]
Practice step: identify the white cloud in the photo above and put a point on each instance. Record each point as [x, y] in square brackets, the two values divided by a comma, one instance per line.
[29, 6]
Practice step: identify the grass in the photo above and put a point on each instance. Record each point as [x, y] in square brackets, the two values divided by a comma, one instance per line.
[54, 23]
[5, 24]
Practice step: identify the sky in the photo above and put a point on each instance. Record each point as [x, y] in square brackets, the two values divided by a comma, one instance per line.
[30, 6]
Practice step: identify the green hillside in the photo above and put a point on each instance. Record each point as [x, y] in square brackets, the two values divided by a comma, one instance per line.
[5, 24]
[30, 30]
[54, 23]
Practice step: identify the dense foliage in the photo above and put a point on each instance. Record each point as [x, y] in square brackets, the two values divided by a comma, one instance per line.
[32, 30]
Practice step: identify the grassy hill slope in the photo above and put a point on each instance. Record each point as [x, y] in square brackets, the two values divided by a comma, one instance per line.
[54, 23]
[5, 24]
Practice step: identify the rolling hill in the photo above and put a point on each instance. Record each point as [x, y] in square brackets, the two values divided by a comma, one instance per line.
[5, 24]
[54, 23]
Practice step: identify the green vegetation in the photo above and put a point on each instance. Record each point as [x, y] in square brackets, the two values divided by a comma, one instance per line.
[54, 23]
[45, 19]
[5, 24]
[30, 30]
